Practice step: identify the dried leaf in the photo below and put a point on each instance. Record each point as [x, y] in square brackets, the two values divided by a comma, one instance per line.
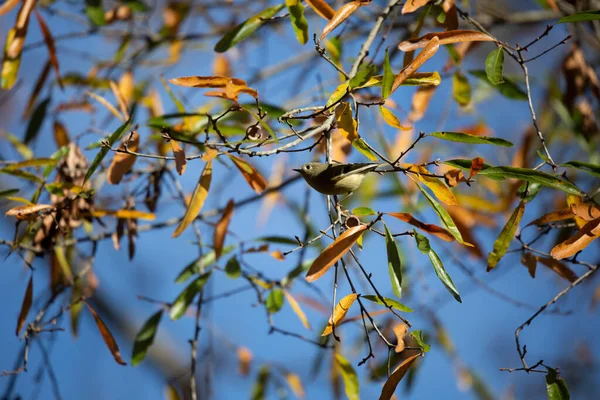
[420, 102]
[50, 45]
[340, 311]
[250, 174]
[245, 358]
[561, 269]
[454, 177]
[321, 8]
[587, 212]
[15, 38]
[123, 162]
[179, 154]
[390, 385]
[221, 228]
[477, 164]
[340, 16]
[107, 336]
[559, 215]
[394, 262]
[197, 201]
[400, 330]
[297, 309]
[346, 123]
[124, 214]
[221, 65]
[107, 105]
[506, 235]
[429, 228]
[25, 306]
[334, 252]
[586, 235]
[447, 37]
[61, 137]
[529, 261]
[120, 99]
[22, 211]
[7, 6]
[413, 5]
[430, 48]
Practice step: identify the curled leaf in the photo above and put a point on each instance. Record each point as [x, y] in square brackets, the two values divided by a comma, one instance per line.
[110, 341]
[198, 197]
[390, 385]
[456, 36]
[340, 16]
[431, 47]
[340, 311]
[586, 235]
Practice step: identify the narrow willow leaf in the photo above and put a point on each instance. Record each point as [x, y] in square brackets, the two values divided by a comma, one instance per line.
[275, 301]
[360, 145]
[507, 88]
[339, 312]
[250, 174]
[260, 385]
[246, 28]
[494, 66]
[200, 265]
[413, 5]
[394, 262]
[7, 6]
[36, 120]
[221, 228]
[299, 22]
[430, 48]
[461, 89]
[13, 48]
[110, 341]
[116, 135]
[440, 271]
[321, 8]
[447, 37]
[471, 139]
[123, 162]
[388, 77]
[592, 169]
[295, 385]
[429, 228]
[25, 306]
[390, 302]
[392, 120]
[363, 211]
[342, 14]
[418, 336]
[390, 385]
[556, 387]
[339, 92]
[559, 268]
[533, 176]
[8, 192]
[362, 76]
[198, 197]
[437, 186]
[506, 235]
[185, 298]
[582, 16]
[349, 376]
[425, 79]
[297, 309]
[95, 12]
[144, 338]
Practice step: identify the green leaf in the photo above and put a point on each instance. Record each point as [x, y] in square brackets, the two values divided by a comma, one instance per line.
[246, 28]
[418, 336]
[362, 76]
[36, 162]
[461, 89]
[592, 169]
[94, 11]
[438, 267]
[507, 89]
[277, 240]
[19, 146]
[349, 376]
[445, 217]
[116, 135]
[589, 15]
[299, 22]
[494, 66]
[394, 262]
[533, 176]
[528, 191]
[144, 338]
[8, 192]
[36, 120]
[471, 139]
[338, 94]
[185, 298]
[233, 268]
[361, 146]
[506, 235]
[21, 174]
[390, 302]
[388, 77]
[207, 260]
[363, 212]
[275, 301]
[556, 387]
[258, 390]
[463, 163]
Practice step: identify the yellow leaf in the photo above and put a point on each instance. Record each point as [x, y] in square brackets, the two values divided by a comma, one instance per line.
[340, 311]
[15, 39]
[390, 385]
[321, 8]
[295, 384]
[392, 120]
[400, 330]
[123, 162]
[126, 91]
[221, 66]
[296, 307]
[25, 306]
[447, 37]
[575, 201]
[171, 393]
[588, 233]
[221, 229]
[413, 5]
[179, 154]
[278, 255]
[124, 214]
[250, 174]
[110, 341]
[334, 252]
[106, 104]
[438, 187]
[345, 122]
[197, 201]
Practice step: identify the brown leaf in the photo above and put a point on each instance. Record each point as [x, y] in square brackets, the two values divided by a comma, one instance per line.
[250, 174]
[37, 88]
[204, 81]
[221, 228]
[447, 37]
[430, 48]
[107, 105]
[50, 45]
[529, 261]
[454, 177]
[278, 255]
[588, 233]
[245, 358]
[126, 89]
[297, 309]
[476, 166]
[558, 267]
[573, 200]
[340, 311]
[22, 211]
[61, 137]
[179, 154]
[400, 330]
[429, 228]
[420, 102]
[587, 212]
[559, 215]
[321, 8]
[25, 306]
[7, 6]
[390, 385]
[451, 21]
[123, 162]
[107, 336]
[197, 201]
[334, 252]
[221, 66]
[413, 5]
[340, 16]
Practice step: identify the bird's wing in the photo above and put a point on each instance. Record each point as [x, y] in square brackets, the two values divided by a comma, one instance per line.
[345, 170]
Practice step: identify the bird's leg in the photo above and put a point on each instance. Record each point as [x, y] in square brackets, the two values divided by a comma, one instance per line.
[348, 195]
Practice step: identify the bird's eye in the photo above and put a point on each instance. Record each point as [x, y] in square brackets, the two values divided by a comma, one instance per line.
[307, 167]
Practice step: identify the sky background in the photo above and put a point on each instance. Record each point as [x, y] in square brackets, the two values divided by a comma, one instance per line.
[482, 327]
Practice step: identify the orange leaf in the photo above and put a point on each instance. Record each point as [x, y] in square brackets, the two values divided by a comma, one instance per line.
[278, 255]
[390, 385]
[587, 212]
[420, 102]
[197, 201]
[245, 358]
[123, 162]
[179, 154]
[8, 5]
[431, 47]
[454, 177]
[50, 45]
[295, 384]
[25, 306]
[559, 215]
[221, 66]
[334, 252]
[447, 37]
[124, 214]
[476, 166]
[429, 228]
[221, 228]
[203, 81]
[107, 336]
[529, 261]
[340, 16]
[250, 174]
[573, 200]
[413, 5]
[340, 311]
[321, 8]
[120, 99]
[558, 267]
[400, 331]
[296, 307]
[61, 137]
[588, 233]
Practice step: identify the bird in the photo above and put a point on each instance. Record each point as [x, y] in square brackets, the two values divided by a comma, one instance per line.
[336, 178]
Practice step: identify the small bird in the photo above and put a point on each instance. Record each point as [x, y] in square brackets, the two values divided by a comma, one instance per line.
[336, 178]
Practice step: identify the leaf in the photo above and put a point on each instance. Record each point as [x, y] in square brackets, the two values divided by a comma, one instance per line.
[388, 77]
[561, 269]
[461, 89]
[360, 145]
[471, 139]
[334, 252]
[110, 341]
[295, 384]
[299, 22]
[494, 66]
[21, 174]
[25, 306]
[171, 392]
[274, 301]
[390, 302]
[346, 124]
[221, 228]
[246, 28]
[197, 201]
[123, 162]
[36, 120]
[418, 336]
[447, 37]
[507, 88]
[179, 154]
[7, 6]
[145, 338]
[259, 388]
[394, 262]
[297, 309]
[440, 271]
[199, 265]
[116, 135]
[586, 211]
[586, 235]
[15, 38]
[533, 176]
[581, 16]
[413, 5]
[430, 48]
[321, 8]
[392, 382]
[429, 228]
[233, 268]
[339, 312]
[185, 298]
[556, 387]
[363, 75]
[340, 16]
[437, 186]
[506, 235]
[50, 45]
[592, 169]
[530, 262]
[349, 376]
[250, 174]
[363, 212]
[392, 120]
[36, 162]
[445, 217]
[245, 358]
[8, 192]
[95, 13]
[124, 214]
[21, 211]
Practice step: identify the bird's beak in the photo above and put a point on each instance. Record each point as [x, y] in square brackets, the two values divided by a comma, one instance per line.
[296, 169]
